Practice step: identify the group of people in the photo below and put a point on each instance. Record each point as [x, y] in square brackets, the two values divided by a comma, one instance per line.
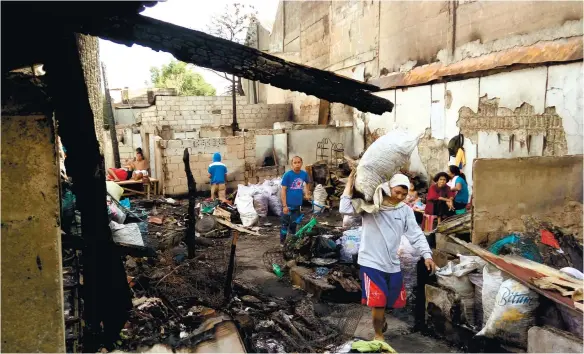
[448, 195]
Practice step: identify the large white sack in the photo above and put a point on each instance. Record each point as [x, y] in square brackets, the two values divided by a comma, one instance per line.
[319, 198]
[383, 159]
[492, 280]
[244, 204]
[513, 313]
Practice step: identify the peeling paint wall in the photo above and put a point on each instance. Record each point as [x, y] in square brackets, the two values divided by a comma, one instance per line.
[530, 112]
[32, 279]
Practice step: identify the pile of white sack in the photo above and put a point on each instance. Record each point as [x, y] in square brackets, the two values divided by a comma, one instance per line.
[257, 200]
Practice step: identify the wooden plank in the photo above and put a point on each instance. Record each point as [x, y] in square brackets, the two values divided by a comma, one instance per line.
[521, 274]
[236, 227]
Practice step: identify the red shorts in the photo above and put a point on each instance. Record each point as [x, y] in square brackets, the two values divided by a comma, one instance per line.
[380, 289]
[121, 173]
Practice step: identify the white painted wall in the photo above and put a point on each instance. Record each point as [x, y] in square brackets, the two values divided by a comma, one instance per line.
[303, 142]
[564, 91]
[515, 87]
[427, 107]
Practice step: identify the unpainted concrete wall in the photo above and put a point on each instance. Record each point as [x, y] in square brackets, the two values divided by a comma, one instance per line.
[549, 188]
[32, 285]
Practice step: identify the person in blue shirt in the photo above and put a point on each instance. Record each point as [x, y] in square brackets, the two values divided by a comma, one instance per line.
[460, 187]
[218, 176]
[294, 187]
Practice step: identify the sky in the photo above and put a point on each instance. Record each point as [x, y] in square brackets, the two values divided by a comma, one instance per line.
[130, 66]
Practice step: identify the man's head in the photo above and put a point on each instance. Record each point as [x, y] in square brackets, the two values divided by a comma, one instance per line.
[139, 154]
[296, 163]
[397, 188]
[217, 157]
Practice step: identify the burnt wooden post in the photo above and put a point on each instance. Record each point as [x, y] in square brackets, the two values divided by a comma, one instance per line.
[230, 268]
[106, 294]
[234, 124]
[192, 185]
[110, 119]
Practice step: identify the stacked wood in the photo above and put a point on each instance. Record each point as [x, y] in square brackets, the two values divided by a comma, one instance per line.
[457, 224]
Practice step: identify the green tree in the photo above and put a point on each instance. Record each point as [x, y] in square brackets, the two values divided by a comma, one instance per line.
[180, 76]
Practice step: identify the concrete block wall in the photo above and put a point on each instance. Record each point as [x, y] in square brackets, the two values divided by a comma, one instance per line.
[187, 113]
[201, 152]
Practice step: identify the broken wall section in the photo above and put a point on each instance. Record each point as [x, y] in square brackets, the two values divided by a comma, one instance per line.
[549, 188]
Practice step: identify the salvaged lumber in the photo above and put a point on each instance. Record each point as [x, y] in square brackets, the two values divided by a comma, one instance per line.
[530, 274]
[151, 184]
[236, 227]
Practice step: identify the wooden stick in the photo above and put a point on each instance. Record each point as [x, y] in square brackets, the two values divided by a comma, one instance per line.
[236, 227]
[227, 289]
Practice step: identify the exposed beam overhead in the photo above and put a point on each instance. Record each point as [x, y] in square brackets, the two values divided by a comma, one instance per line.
[218, 54]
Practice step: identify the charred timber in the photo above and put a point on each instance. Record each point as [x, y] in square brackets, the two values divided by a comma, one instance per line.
[218, 54]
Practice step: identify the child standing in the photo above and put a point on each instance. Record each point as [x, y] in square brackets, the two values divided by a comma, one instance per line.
[218, 176]
[294, 183]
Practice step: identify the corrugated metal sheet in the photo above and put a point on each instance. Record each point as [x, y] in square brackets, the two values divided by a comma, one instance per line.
[542, 52]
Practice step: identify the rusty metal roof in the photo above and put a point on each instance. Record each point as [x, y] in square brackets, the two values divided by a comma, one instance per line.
[542, 52]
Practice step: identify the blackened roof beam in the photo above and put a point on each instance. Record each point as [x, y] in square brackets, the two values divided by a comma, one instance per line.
[218, 54]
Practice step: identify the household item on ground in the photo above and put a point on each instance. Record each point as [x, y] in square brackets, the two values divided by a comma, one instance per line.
[319, 198]
[477, 280]
[306, 228]
[492, 279]
[373, 346]
[408, 258]
[383, 159]
[125, 203]
[205, 224]
[128, 234]
[260, 203]
[574, 323]
[114, 190]
[244, 203]
[324, 248]
[116, 214]
[513, 314]
[277, 270]
[350, 242]
[518, 245]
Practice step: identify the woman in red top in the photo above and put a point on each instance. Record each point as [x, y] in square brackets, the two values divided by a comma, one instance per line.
[439, 198]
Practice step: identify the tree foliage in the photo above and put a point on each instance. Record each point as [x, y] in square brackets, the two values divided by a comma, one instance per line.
[237, 24]
[180, 76]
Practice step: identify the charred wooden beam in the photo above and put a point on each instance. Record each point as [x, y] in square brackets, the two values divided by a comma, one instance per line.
[107, 298]
[192, 187]
[218, 54]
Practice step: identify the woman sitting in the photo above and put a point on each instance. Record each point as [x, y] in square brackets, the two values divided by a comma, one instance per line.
[439, 201]
[460, 188]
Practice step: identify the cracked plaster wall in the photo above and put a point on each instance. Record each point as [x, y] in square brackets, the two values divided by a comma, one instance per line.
[530, 112]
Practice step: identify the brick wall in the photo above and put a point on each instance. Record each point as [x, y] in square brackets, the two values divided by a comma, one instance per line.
[187, 113]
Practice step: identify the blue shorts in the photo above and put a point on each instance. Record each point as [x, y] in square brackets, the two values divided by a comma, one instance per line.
[380, 289]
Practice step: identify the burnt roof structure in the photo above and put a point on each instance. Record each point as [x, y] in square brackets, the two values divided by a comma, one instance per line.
[121, 22]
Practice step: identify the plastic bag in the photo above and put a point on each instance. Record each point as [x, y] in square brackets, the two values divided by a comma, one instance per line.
[477, 280]
[513, 313]
[383, 159]
[116, 214]
[408, 258]
[492, 279]
[244, 204]
[319, 198]
[352, 221]
[128, 234]
[351, 240]
[451, 277]
[275, 205]
[114, 190]
[260, 203]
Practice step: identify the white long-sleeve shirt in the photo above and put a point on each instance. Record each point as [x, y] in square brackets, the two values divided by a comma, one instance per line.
[381, 236]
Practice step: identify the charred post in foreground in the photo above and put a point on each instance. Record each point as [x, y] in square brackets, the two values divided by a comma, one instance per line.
[230, 268]
[192, 185]
[107, 298]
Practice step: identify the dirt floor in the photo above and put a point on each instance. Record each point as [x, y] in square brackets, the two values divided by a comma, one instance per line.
[250, 268]
[174, 295]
